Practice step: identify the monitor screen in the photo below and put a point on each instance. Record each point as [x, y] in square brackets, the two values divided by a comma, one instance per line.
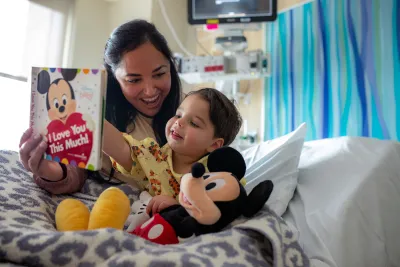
[231, 11]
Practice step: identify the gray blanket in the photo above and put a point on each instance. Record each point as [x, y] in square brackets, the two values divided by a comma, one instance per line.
[28, 236]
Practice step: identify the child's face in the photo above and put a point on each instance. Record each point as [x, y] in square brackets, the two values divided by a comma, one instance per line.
[190, 131]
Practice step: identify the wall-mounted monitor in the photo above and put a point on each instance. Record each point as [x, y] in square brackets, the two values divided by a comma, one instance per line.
[231, 11]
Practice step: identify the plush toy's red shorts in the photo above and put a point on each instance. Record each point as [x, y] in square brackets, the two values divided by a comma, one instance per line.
[157, 230]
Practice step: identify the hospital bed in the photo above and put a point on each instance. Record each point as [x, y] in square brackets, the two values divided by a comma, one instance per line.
[336, 203]
[344, 204]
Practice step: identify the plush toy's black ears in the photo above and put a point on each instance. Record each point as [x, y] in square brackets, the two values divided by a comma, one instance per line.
[69, 74]
[257, 198]
[227, 159]
[43, 82]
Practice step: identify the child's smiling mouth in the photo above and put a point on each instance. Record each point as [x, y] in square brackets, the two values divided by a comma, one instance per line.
[174, 135]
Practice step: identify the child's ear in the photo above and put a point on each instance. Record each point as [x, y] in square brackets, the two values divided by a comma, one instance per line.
[217, 143]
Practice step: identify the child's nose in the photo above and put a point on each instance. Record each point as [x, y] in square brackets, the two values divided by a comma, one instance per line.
[179, 122]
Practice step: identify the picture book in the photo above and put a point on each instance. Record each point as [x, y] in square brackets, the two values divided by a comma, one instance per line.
[67, 107]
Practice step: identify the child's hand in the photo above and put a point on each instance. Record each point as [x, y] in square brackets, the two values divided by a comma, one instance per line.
[158, 203]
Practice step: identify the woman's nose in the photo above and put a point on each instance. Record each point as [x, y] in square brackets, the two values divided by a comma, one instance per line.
[149, 89]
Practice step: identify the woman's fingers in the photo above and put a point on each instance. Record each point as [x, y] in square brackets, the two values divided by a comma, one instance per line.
[36, 157]
[25, 136]
[28, 148]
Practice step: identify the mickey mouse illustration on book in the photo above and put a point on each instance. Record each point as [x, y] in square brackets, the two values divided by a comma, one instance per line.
[69, 133]
[208, 203]
[60, 97]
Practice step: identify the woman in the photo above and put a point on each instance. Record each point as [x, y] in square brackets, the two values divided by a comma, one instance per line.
[143, 93]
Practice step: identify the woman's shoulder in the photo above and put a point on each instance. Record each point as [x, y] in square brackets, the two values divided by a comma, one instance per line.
[141, 128]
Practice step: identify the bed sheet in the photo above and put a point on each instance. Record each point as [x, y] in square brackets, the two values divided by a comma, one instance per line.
[28, 236]
[347, 203]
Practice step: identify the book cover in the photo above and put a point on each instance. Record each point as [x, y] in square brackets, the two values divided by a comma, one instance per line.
[67, 107]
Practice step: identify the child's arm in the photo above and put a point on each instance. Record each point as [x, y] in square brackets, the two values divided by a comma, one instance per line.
[116, 147]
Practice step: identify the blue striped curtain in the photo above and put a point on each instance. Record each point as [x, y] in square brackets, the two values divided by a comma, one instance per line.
[336, 66]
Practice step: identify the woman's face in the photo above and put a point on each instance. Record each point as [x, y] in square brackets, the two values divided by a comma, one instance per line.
[145, 78]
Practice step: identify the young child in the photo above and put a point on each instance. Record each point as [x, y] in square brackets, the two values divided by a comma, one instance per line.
[205, 121]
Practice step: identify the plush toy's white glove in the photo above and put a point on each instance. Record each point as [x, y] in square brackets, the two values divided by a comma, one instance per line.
[139, 209]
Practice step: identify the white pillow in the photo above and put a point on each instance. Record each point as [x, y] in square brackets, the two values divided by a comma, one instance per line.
[276, 160]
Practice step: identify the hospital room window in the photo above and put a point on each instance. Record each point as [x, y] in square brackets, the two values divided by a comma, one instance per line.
[32, 34]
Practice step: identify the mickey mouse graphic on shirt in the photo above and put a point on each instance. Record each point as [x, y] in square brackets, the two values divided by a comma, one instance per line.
[69, 133]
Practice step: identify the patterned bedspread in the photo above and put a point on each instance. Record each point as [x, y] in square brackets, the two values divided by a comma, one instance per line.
[28, 236]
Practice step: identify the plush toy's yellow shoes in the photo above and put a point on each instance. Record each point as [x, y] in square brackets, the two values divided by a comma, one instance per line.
[72, 215]
[111, 209]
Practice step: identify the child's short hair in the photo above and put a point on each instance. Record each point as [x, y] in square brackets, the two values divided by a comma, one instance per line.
[223, 114]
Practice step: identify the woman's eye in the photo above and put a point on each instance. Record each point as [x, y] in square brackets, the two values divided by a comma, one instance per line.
[133, 81]
[158, 75]
[55, 103]
[64, 99]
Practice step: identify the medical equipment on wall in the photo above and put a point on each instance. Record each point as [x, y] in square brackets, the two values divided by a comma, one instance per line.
[229, 67]
[229, 18]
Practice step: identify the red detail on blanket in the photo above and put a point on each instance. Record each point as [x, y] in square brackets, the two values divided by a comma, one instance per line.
[157, 230]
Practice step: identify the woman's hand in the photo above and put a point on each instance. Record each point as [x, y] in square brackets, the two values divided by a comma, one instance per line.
[31, 150]
[158, 203]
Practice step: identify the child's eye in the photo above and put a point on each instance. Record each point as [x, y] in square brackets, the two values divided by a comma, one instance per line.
[177, 116]
[193, 124]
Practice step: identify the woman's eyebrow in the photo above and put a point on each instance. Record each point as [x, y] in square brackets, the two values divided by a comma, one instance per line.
[159, 68]
[138, 75]
[133, 75]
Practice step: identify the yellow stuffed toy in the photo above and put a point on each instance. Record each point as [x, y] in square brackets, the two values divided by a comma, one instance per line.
[111, 210]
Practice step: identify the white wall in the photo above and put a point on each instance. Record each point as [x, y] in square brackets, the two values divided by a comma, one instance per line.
[176, 11]
[121, 11]
[90, 30]
[92, 23]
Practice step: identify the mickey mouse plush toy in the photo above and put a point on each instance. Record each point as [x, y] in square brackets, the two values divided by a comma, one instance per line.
[208, 203]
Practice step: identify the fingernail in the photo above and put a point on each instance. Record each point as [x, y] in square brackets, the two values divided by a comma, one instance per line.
[43, 144]
[37, 136]
[45, 139]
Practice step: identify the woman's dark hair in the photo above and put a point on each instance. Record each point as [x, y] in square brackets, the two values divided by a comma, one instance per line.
[119, 112]
[224, 115]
